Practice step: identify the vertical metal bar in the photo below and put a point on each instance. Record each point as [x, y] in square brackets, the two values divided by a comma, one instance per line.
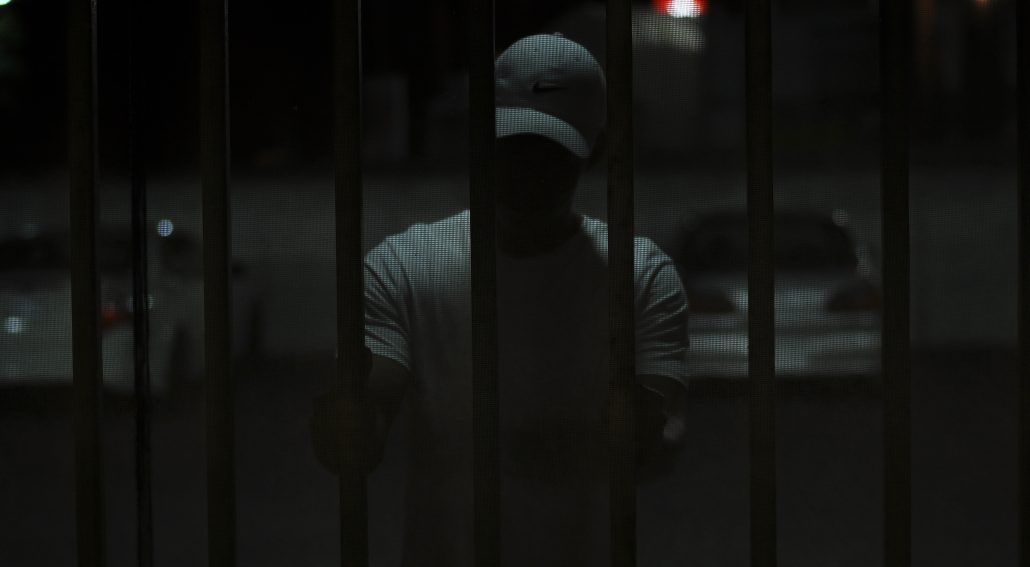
[140, 286]
[214, 158]
[483, 237]
[761, 284]
[87, 367]
[895, 73]
[349, 286]
[1023, 180]
[621, 316]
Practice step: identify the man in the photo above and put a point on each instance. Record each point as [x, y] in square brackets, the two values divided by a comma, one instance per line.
[553, 338]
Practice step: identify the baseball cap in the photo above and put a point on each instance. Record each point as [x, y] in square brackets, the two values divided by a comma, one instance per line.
[553, 87]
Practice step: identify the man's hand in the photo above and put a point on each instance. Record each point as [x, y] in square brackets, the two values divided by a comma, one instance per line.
[348, 436]
[649, 424]
[343, 434]
[659, 423]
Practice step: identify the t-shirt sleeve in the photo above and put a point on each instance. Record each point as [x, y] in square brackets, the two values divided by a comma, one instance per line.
[387, 321]
[662, 340]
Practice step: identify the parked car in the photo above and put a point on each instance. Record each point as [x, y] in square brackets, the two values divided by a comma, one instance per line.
[826, 300]
[35, 310]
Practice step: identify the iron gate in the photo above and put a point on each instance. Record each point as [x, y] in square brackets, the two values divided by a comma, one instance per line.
[896, 73]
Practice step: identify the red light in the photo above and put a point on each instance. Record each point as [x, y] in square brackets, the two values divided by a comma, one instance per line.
[111, 315]
[681, 8]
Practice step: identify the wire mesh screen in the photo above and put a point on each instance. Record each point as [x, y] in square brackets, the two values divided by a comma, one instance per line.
[554, 280]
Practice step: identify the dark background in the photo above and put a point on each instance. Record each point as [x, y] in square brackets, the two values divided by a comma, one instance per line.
[281, 58]
[689, 113]
[280, 71]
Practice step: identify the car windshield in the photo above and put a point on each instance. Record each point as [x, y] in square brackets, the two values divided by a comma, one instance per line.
[803, 244]
[50, 252]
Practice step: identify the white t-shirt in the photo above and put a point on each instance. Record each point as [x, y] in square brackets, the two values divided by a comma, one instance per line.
[553, 385]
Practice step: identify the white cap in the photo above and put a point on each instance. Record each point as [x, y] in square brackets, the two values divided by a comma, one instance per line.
[550, 86]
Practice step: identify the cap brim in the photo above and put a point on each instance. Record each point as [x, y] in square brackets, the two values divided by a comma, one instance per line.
[511, 121]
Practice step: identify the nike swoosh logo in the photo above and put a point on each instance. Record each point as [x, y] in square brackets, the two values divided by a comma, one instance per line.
[545, 87]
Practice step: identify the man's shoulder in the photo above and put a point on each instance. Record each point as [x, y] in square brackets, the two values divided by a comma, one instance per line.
[441, 240]
[449, 233]
[646, 253]
[453, 226]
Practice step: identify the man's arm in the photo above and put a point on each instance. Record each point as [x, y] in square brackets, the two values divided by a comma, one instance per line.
[344, 434]
[661, 358]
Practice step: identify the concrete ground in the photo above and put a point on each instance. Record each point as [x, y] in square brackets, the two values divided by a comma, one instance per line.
[829, 467]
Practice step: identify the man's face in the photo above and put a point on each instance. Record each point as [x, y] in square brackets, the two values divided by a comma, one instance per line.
[535, 174]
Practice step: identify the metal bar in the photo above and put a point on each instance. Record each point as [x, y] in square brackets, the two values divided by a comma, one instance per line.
[761, 284]
[895, 73]
[1023, 173]
[214, 158]
[87, 367]
[482, 235]
[140, 286]
[349, 266]
[621, 306]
